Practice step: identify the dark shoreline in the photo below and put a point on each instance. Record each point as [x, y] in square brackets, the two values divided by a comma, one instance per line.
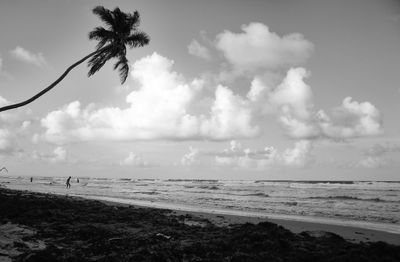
[62, 228]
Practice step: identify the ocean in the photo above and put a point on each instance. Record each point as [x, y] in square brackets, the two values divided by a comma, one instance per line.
[366, 204]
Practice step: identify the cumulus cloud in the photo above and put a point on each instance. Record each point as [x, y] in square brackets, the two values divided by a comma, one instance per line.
[134, 160]
[58, 155]
[199, 50]
[298, 156]
[159, 109]
[163, 108]
[191, 158]
[29, 57]
[378, 155]
[165, 105]
[259, 48]
[292, 102]
[353, 119]
[12, 127]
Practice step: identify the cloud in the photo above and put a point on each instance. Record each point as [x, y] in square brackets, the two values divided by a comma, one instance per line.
[353, 119]
[12, 128]
[29, 57]
[298, 156]
[191, 158]
[259, 48]
[58, 155]
[166, 107]
[134, 160]
[382, 149]
[378, 155]
[3, 73]
[372, 162]
[292, 102]
[161, 108]
[7, 142]
[197, 49]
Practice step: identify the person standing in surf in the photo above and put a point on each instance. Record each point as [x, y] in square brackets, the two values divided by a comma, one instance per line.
[68, 183]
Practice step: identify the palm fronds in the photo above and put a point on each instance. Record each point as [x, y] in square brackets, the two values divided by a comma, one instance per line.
[122, 30]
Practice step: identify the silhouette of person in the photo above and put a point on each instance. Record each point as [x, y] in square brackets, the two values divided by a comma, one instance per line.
[31, 179]
[68, 184]
[77, 180]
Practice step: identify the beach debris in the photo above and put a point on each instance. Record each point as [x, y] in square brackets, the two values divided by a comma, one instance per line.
[115, 239]
[14, 241]
[163, 236]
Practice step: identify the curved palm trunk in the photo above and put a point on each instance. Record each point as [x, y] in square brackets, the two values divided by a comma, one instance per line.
[47, 89]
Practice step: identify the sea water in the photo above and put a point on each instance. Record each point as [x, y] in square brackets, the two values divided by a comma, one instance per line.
[368, 204]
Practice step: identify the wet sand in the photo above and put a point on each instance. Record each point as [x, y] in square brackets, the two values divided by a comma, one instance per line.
[45, 227]
[353, 234]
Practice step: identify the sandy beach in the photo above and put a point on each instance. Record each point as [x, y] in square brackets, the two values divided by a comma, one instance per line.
[45, 227]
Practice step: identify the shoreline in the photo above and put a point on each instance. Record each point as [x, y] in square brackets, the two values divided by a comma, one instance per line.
[49, 227]
[350, 233]
[355, 231]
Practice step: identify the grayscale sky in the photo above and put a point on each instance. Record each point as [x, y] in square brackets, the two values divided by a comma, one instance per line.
[257, 89]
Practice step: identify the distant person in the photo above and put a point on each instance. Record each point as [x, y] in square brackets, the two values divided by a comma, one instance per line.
[31, 179]
[77, 180]
[68, 184]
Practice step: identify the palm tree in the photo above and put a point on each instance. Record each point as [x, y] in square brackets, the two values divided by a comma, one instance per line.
[3, 168]
[121, 31]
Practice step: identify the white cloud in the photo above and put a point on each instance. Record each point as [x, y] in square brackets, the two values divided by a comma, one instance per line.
[382, 149]
[197, 49]
[259, 48]
[372, 162]
[353, 119]
[7, 142]
[3, 73]
[191, 158]
[379, 155]
[298, 156]
[58, 155]
[134, 160]
[27, 56]
[159, 109]
[292, 102]
[11, 128]
[231, 117]
[165, 105]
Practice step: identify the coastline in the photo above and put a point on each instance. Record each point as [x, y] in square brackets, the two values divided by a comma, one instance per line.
[354, 231]
[49, 227]
[350, 233]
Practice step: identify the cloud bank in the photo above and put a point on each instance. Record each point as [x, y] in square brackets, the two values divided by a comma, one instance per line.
[300, 155]
[166, 105]
[159, 109]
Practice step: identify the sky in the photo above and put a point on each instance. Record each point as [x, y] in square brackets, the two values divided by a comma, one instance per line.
[257, 89]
